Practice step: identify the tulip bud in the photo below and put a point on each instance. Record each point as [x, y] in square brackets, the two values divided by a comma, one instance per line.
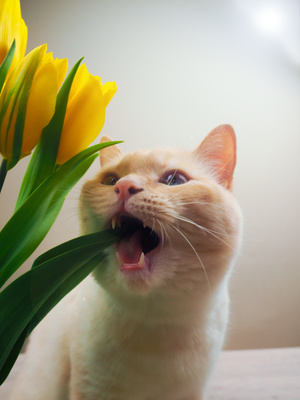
[12, 26]
[85, 113]
[27, 103]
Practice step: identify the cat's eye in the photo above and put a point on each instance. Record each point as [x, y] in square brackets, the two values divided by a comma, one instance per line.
[110, 180]
[172, 178]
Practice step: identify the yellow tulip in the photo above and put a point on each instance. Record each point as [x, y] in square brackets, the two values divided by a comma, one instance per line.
[12, 26]
[41, 103]
[85, 114]
[41, 94]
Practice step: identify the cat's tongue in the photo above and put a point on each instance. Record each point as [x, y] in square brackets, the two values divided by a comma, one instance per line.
[130, 253]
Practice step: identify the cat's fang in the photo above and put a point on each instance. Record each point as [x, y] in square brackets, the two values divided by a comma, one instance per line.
[113, 221]
[142, 260]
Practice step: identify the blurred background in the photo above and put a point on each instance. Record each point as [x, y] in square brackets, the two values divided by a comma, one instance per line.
[182, 68]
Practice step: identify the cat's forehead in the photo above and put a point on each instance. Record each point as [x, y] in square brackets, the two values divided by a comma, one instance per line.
[155, 161]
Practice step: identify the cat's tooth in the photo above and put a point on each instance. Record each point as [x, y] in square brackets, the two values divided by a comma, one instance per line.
[142, 259]
[113, 221]
[144, 225]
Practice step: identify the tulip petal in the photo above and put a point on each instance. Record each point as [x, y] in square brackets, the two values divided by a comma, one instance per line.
[85, 113]
[109, 90]
[7, 125]
[81, 78]
[40, 106]
[84, 119]
[12, 26]
[62, 68]
[13, 104]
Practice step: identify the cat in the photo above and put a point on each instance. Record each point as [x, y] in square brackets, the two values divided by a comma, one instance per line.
[150, 321]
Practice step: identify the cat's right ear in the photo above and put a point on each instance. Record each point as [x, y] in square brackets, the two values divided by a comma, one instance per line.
[218, 152]
[110, 153]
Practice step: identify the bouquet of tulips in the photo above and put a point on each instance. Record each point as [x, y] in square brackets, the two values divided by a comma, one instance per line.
[58, 118]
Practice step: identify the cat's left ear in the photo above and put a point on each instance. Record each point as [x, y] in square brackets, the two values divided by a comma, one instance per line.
[110, 153]
[218, 152]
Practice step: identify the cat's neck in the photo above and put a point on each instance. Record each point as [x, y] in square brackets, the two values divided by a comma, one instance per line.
[162, 308]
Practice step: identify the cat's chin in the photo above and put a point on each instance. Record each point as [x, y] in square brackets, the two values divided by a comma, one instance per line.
[136, 278]
[144, 265]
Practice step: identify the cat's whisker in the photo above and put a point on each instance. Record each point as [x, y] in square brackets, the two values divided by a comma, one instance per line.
[204, 203]
[164, 234]
[187, 187]
[207, 230]
[197, 255]
[174, 173]
[189, 221]
[153, 224]
[144, 220]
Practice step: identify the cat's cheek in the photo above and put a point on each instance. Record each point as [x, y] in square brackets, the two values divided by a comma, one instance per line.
[103, 272]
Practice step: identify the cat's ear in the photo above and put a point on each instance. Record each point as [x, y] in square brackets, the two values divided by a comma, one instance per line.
[218, 152]
[110, 153]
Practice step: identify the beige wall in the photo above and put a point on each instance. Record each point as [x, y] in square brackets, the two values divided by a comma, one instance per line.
[182, 68]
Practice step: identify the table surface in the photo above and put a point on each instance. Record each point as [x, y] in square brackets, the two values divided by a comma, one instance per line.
[268, 374]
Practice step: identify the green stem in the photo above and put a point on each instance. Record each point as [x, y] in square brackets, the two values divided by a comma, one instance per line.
[3, 172]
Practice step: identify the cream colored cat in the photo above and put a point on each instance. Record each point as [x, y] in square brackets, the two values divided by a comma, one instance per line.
[150, 323]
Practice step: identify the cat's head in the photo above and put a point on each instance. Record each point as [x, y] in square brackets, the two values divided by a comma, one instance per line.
[181, 221]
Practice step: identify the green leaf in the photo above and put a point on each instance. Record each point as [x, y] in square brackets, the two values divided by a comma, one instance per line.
[31, 222]
[98, 241]
[3, 172]
[13, 355]
[4, 67]
[43, 160]
[29, 298]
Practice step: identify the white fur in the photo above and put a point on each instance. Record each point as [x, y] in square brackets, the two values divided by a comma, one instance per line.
[143, 337]
[82, 331]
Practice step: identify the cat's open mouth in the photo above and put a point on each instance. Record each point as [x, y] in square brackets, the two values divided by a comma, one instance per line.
[138, 241]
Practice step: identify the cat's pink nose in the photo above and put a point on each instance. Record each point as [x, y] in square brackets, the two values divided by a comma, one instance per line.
[126, 188]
